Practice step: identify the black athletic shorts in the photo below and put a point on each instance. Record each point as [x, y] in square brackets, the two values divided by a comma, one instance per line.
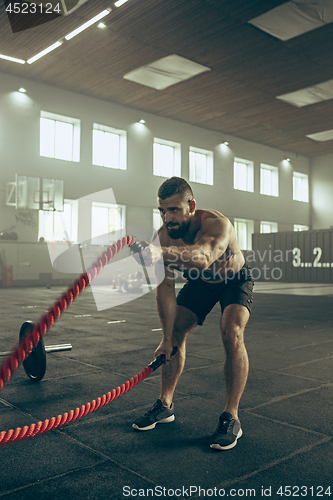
[200, 297]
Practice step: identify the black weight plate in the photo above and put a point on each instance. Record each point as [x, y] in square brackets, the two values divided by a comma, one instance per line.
[35, 363]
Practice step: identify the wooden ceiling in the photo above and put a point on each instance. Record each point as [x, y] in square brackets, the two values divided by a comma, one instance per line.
[249, 68]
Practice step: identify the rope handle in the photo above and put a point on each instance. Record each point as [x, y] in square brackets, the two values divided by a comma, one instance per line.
[160, 360]
[30, 342]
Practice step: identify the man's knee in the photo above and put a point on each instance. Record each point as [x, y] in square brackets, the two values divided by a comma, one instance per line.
[233, 337]
[179, 335]
[184, 323]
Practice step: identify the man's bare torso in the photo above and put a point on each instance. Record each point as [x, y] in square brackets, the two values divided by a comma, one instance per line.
[225, 264]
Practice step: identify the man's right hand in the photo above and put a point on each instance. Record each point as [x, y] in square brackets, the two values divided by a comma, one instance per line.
[165, 348]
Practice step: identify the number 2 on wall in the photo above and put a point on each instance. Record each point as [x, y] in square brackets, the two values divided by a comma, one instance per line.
[318, 251]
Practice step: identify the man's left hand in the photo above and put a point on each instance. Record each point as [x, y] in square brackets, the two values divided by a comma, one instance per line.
[151, 254]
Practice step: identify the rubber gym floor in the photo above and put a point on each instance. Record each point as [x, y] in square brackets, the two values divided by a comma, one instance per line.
[286, 410]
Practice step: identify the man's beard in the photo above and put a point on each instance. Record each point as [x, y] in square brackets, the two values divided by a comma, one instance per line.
[179, 231]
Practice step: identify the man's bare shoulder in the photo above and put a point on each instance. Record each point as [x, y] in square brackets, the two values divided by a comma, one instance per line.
[213, 218]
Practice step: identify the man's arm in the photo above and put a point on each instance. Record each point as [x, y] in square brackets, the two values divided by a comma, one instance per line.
[212, 245]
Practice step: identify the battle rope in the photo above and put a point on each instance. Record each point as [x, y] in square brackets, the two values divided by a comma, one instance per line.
[43, 427]
[30, 342]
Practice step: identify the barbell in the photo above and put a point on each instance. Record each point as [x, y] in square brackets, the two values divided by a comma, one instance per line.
[35, 364]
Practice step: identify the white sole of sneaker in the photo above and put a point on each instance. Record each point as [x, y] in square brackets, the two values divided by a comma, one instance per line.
[216, 446]
[152, 426]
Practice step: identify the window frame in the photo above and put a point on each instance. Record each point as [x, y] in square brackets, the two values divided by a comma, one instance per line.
[156, 213]
[249, 175]
[94, 238]
[302, 177]
[122, 151]
[176, 167]
[301, 227]
[72, 231]
[249, 231]
[274, 187]
[75, 139]
[209, 171]
[273, 227]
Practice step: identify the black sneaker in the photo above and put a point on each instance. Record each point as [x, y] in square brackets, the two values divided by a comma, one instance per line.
[227, 432]
[158, 414]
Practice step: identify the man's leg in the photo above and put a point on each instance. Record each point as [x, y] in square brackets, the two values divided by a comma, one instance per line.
[185, 322]
[162, 411]
[236, 368]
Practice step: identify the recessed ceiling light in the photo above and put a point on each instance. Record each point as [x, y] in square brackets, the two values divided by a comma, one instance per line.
[86, 25]
[303, 97]
[225, 143]
[22, 90]
[287, 159]
[327, 135]
[12, 59]
[101, 25]
[44, 52]
[165, 72]
[142, 121]
[294, 18]
[120, 2]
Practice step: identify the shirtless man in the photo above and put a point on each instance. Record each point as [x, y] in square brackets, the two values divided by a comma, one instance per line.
[203, 245]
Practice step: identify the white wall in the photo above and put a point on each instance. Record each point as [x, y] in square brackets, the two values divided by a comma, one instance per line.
[135, 187]
[322, 192]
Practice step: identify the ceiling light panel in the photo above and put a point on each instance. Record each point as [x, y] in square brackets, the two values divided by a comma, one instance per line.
[12, 59]
[44, 52]
[294, 18]
[165, 72]
[86, 25]
[310, 95]
[119, 3]
[321, 136]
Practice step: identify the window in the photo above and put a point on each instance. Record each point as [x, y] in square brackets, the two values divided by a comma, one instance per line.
[59, 137]
[105, 221]
[59, 226]
[109, 147]
[300, 227]
[157, 221]
[300, 187]
[166, 161]
[269, 180]
[268, 227]
[201, 166]
[243, 175]
[244, 229]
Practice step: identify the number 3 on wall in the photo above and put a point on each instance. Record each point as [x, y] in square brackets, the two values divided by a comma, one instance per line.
[297, 257]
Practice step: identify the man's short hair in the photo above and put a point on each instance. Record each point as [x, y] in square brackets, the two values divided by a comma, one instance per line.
[175, 185]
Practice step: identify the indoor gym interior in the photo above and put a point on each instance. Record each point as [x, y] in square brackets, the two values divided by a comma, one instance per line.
[252, 132]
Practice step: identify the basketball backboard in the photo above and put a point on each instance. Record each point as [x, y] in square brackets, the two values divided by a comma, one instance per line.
[35, 193]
